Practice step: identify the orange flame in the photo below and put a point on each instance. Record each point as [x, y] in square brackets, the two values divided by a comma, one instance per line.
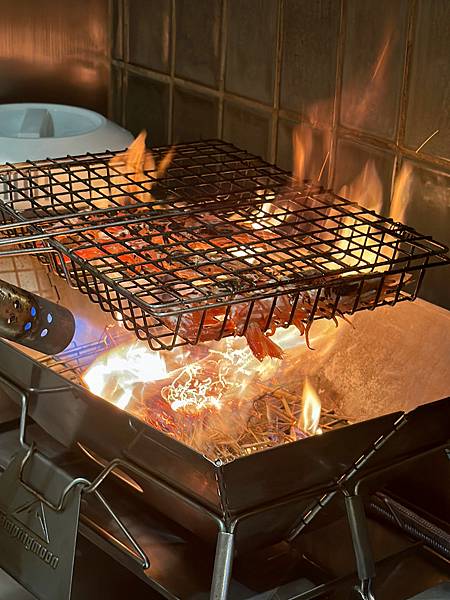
[137, 172]
[402, 193]
[302, 146]
[229, 370]
[311, 155]
[311, 410]
[209, 401]
[366, 189]
[114, 374]
[137, 159]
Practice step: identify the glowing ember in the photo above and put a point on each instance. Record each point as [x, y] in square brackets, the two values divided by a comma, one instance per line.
[311, 153]
[115, 373]
[263, 217]
[311, 410]
[190, 393]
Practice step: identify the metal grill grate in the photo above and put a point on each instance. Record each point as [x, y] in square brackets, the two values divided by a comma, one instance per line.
[222, 240]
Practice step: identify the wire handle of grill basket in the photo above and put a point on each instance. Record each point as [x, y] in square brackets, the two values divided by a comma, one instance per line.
[58, 515]
[14, 250]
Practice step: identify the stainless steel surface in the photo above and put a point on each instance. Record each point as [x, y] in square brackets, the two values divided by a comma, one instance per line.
[107, 580]
[9, 411]
[223, 566]
[52, 51]
[439, 592]
[11, 590]
[308, 465]
[39, 520]
[37, 545]
[181, 566]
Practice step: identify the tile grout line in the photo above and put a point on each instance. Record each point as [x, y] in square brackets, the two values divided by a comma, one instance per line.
[396, 147]
[111, 36]
[409, 42]
[144, 71]
[173, 35]
[403, 103]
[122, 70]
[362, 137]
[277, 84]
[126, 56]
[223, 58]
[402, 111]
[337, 94]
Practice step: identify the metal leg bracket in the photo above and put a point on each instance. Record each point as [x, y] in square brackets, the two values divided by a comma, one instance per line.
[223, 565]
[39, 517]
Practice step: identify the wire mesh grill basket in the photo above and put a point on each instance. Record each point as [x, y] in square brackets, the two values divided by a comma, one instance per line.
[224, 240]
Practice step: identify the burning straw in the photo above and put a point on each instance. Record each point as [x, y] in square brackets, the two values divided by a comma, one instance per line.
[274, 417]
[225, 405]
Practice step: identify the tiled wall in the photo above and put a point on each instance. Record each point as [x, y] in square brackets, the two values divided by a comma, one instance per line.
[368, 79]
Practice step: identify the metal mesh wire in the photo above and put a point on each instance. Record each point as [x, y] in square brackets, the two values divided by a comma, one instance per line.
[223, 239]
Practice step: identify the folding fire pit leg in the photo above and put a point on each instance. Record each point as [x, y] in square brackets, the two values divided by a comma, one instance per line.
[365, 563]
[223, 565]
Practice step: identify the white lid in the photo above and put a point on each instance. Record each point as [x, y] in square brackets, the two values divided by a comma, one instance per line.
[67, 121]
[33, 131]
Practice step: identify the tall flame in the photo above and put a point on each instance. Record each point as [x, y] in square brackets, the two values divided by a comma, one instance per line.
[366, 189]
[311, 410]
[114, 374]
[302, 146]
[402, 193]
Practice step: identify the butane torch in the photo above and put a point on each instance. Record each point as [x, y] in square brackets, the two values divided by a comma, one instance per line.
[33, 321]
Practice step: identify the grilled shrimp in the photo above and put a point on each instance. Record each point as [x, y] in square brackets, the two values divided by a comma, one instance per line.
[257, 321]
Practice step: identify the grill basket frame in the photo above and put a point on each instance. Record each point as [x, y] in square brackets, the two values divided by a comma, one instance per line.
[223, 231]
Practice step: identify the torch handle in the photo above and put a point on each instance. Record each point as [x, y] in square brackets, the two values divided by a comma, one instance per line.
[34, 321]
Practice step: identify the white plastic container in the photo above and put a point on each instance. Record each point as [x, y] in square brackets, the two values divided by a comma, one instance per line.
[38, 131]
